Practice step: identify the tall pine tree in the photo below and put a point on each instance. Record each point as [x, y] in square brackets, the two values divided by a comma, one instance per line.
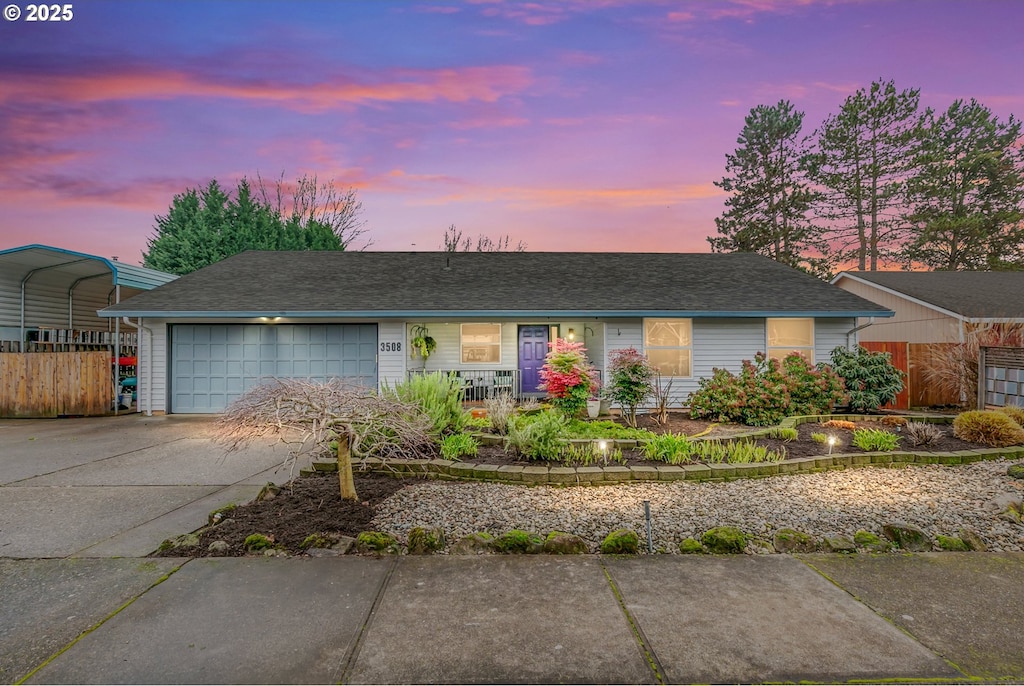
[967, 196]
[770, 194]
[862, 166]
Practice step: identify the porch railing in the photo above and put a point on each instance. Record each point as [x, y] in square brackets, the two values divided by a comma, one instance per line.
[479, 384]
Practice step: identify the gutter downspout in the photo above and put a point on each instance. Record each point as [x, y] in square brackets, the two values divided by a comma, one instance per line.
[849, 334]
[149, 362]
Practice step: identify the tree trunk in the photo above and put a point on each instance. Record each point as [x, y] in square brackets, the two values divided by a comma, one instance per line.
[345, 479]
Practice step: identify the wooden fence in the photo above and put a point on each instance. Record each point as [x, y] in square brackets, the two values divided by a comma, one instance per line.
[55, 384]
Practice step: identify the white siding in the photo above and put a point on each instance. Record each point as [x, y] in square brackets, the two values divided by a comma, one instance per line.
[829, 334]
[391, 364]
[152, 367]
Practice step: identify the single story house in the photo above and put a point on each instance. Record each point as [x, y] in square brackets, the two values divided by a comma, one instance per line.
[210, 335]
[48, 302]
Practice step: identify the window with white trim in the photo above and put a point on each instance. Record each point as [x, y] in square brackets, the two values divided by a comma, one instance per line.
[786, 336]
[668, 344]
[481, 343]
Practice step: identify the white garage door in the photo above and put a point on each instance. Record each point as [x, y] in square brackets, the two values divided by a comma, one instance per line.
[213, 364]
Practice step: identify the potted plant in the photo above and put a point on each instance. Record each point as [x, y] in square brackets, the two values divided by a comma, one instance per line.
[423, 344]
[593, 407]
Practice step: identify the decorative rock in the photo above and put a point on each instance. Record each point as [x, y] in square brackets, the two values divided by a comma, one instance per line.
[344, 544]
[724, 539]
[376, 542]
[871, 542]
[760, 546]
[1015, 471]
[951, 543]
[474, 544]
[907, 536]
[518, 541]
[561, 543]
[793, 541]
[323, 552]
[839, 544]
[973, 540]
[424, 542]
[219, 547]
[1004, 502]
[691, 546]
[269, 491]
[621, 542]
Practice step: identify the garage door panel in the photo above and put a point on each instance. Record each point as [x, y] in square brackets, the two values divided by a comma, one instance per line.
[212, 365]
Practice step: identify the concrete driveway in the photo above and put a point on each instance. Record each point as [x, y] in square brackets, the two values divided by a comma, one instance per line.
[118, 486]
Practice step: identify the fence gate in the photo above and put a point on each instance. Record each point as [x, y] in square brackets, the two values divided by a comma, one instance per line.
[1002, 383]
[55, 384]
[900, 354]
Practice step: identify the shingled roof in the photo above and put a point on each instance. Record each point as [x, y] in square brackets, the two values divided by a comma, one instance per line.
[984, 295]
[376, 284]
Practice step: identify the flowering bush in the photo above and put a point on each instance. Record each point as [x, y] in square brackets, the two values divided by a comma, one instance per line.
[631, 381]
[766, 390]
[568, 377]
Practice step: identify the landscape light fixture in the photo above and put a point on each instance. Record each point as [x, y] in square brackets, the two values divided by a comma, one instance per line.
[831, 442]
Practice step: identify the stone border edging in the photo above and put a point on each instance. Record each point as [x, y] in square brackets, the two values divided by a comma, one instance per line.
[534, 475]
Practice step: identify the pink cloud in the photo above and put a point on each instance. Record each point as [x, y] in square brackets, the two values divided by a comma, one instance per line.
[485, 84]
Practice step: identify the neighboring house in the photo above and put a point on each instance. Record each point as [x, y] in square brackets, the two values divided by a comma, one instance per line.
[48, 302]
[937, 307]
[935, 310]
[215, 332]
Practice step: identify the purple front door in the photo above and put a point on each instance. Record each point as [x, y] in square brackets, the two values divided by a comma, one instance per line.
[533, 347]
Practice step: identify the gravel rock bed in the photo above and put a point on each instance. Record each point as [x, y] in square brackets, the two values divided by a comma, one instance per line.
[939, 499]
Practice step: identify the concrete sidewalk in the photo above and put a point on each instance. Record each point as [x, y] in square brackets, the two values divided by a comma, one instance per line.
[118, 486]
[508, 619]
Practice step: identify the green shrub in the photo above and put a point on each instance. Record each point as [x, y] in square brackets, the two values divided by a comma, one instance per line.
[785, 434]
[734, 452]
[604, 428]
[472, 423]
[631, 381]
[588, 455]
[669, 447]
[921, 433]
[438, 395]
[871, 440]
[457, 446]
[765, 391]
[538, 437]
[1013, 412]
[500, 409]
[994, 429]
[870, 378]
[256, 542]
[621, 542]
[819, 438]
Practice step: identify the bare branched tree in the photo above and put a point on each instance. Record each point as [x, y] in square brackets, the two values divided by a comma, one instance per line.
[308, 201]
[311, 415]
[454, 241]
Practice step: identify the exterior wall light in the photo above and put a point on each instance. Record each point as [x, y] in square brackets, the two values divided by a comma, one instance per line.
[572, 334]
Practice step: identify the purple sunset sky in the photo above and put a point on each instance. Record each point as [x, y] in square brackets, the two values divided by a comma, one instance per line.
[577, 125]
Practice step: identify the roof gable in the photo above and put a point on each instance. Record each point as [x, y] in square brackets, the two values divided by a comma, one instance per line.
[424, 283]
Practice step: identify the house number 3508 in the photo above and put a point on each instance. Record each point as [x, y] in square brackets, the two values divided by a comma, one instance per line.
[391, 346]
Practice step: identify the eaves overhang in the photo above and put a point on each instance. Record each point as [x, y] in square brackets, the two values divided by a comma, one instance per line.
[430, 314]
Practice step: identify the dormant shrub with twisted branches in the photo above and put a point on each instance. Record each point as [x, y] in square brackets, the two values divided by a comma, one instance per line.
[310, 415]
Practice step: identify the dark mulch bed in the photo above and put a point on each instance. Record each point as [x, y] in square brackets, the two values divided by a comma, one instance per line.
[306, 505]
[805, 446]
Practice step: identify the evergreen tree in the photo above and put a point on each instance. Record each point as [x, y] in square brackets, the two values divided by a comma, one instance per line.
[862, 165]
[771, 196]
[967, 196]
[207, 225]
